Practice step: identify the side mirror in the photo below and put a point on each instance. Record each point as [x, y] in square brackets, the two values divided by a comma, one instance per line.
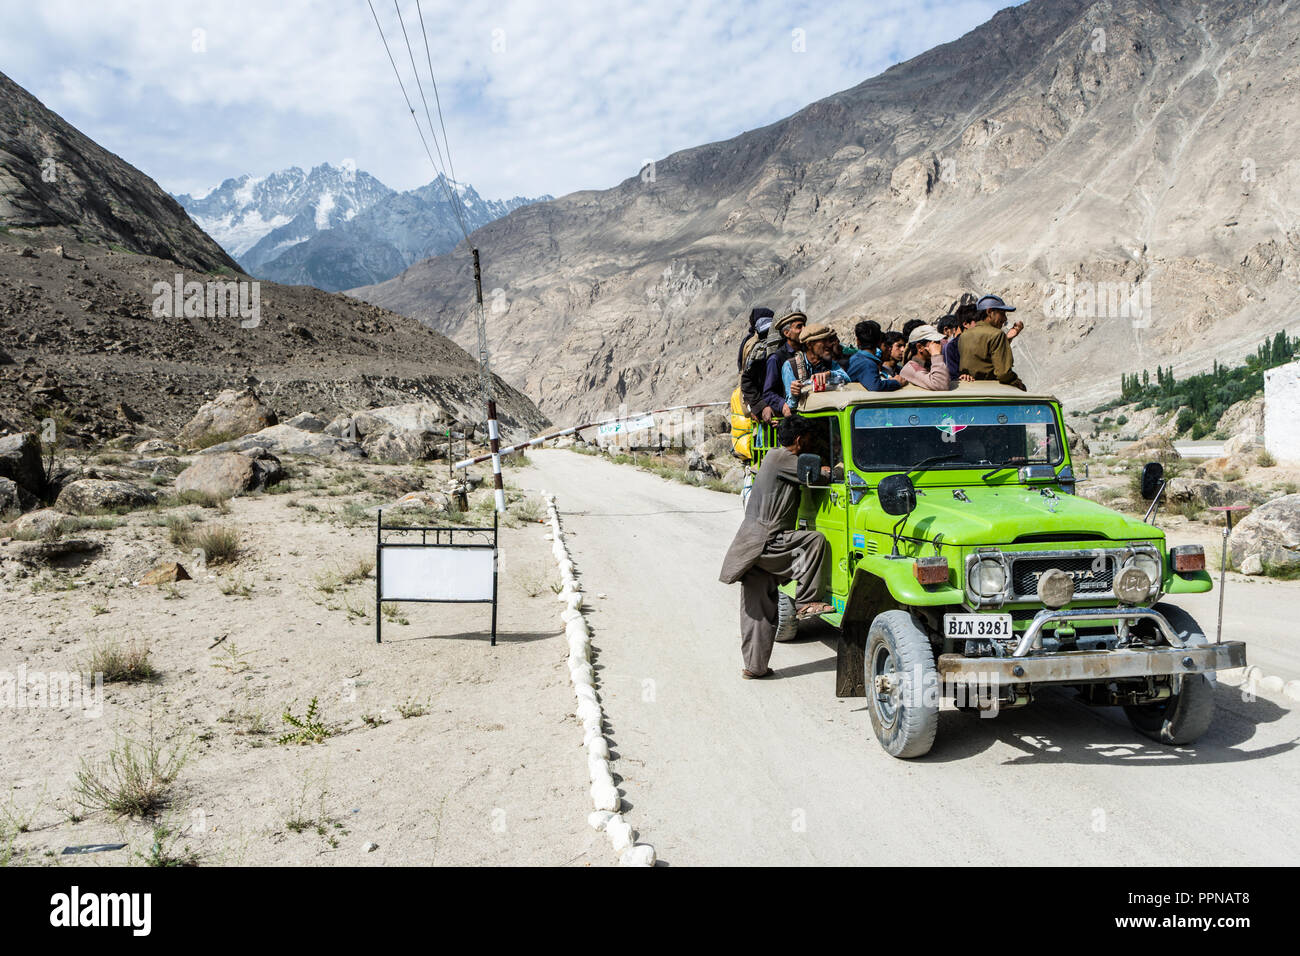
[809, 469]
[897, 495]
[1153, 475]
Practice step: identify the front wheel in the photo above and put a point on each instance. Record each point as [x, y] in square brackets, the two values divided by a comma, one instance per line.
[1186, 716]
[902, 685]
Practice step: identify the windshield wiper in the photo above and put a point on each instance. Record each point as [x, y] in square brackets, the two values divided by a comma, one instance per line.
[933, 460]
[994, 471]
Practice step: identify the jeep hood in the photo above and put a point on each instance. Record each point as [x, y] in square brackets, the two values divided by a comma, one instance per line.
[999, 514]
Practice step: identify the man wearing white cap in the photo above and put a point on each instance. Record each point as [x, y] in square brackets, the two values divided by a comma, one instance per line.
[924, 365]
[984, 350]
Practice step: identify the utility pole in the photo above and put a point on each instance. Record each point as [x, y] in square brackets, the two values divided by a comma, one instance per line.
[485, 386]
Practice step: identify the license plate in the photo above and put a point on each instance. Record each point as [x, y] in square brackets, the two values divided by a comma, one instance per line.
[977, 625]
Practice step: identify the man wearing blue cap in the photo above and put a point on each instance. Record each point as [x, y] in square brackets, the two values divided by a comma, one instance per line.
[984, 349]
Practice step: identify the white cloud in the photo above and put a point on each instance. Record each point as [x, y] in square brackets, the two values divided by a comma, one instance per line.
[580, 94]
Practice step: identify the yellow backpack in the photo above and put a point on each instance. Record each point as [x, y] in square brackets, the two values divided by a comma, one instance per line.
[742, 428]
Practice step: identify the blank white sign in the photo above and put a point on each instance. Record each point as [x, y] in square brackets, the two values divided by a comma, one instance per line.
[435, 574]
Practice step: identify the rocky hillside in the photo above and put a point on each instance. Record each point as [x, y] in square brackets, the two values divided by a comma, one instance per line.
[90, 335]
[57, 181]
[1059, 153]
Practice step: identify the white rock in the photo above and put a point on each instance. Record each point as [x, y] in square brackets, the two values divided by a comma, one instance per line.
[371, 847]
[598, 819]
[619, 832]
[604, 796]
[643, 854]
[598, 747]
[588, 710]
[598, 769]
[1292, 689]
[1271, 684]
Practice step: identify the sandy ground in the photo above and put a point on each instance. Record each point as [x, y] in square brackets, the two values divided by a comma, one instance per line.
[720, 770]
[493, 773]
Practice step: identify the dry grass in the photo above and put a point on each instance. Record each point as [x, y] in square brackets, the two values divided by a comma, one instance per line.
[135, 780]
[122, 663]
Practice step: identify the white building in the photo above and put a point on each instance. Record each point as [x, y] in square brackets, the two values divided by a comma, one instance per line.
[1282, 411]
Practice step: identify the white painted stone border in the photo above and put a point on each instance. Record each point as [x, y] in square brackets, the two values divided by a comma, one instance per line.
[1253, 681]
[604, 795]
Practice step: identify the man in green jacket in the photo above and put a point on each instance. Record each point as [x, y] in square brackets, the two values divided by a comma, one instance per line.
[984, 349]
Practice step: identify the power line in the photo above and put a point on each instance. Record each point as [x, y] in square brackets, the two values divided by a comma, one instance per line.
[455, 206]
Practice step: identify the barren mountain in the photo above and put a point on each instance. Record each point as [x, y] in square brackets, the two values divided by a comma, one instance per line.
[92, 266]
[1122, 171]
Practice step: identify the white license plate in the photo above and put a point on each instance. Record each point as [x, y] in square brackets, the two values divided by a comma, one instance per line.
[977, 625]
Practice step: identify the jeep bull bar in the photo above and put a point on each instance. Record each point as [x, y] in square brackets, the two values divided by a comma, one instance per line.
[1025, 667]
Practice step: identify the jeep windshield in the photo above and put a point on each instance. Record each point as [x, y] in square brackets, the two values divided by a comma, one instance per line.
[947, 436]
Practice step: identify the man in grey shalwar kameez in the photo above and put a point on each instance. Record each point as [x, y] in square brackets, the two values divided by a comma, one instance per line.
[767, 551]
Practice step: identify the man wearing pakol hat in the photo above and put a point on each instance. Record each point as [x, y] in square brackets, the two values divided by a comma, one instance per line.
[775, 402]
[815, 368]
[984, 349]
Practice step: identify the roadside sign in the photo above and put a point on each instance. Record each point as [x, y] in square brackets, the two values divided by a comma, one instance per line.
[442, 571]
[629, 425]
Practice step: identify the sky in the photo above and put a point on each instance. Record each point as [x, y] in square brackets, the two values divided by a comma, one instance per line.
[538, 96]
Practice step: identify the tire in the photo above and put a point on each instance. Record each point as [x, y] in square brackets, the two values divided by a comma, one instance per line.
[787, 619]
[1186, 716]
[906, 720]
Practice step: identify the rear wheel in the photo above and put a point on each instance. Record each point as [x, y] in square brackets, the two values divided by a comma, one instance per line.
[1187, 715]
[787, 618]
[902, 685]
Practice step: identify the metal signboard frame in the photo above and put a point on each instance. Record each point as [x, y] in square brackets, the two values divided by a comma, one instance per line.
[471, 539]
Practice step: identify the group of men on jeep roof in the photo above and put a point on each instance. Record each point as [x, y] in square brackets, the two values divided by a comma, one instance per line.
[782, 361]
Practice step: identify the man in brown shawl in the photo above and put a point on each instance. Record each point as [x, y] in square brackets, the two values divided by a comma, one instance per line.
[767, 551]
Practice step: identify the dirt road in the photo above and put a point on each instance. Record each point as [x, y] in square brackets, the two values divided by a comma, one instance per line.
[720, 770]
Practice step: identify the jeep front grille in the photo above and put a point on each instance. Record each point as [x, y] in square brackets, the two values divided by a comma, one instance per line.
[1093, 578]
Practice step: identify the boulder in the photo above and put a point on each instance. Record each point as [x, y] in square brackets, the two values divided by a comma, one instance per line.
[1152, 448]
[1244, 418]
[37, 523]
[1243, 445]
[307, 422]
[14, 497]
[20, 461]
[404, 444]
[164, 467]
[287, 440]
[695, 461]
[413, 416]
[1207, 494]
[1079, 450]
[97, 494]
[166, 572]
[1252, 564]
[423, 499]
[233, 413]
[734, 477]
[1271, 531]
[59, 551]
[227, 474]
[156, 446]
[717, 448]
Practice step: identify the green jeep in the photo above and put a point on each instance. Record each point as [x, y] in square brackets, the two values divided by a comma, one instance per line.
[963, 566]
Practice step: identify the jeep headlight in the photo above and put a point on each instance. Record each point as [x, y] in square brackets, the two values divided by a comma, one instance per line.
[1149, 564]
[988, 578]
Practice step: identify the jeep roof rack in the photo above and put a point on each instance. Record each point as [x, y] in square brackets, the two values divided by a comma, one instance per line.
[855, 394]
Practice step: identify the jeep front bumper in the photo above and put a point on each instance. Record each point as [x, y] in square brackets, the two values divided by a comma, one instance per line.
[1072, 667]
